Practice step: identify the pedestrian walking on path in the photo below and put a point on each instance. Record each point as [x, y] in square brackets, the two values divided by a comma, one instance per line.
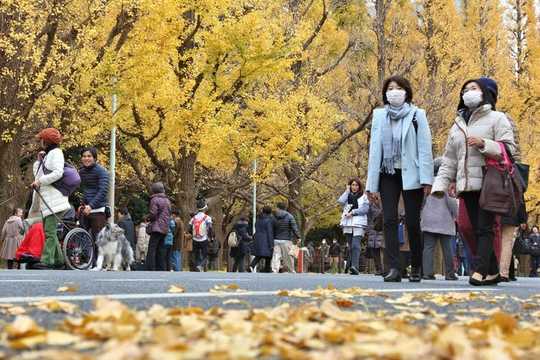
[11, 237]
[239, 252]
[439, 225]
[48, 202]
[534, 244]
[400, 163]
[263, 244]
[285, 231]
[477, 131]
[160, 213]
[375, 236]
[201, 229]
[178, 244]
[354, 220]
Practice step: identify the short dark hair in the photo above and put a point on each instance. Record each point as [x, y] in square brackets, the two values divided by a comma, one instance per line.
[123, 211]
[14, 211]
[281, 205]
[487, 95]
[359, 182]
[92, 150]
[267, 210]
[175, 212]
[403, 83]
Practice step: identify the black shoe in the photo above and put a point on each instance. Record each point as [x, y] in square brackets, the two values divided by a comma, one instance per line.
[393, 276]
[504, 279]
[475, 282]
[494, 281]
[379, 273]
[42, 266]
[513, 278]
[451, 277]
[354, 271]
[429, 277]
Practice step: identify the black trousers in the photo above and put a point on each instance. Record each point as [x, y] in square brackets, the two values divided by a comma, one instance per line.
[239, 263]
[156, 257]
[200, 249]
[482, 222]
[391, 188]
[267, 263]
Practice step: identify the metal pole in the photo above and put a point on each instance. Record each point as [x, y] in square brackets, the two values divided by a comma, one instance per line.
[254, 195]
[113, 159]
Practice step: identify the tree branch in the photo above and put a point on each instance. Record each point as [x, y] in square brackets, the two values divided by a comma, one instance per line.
[318, 28]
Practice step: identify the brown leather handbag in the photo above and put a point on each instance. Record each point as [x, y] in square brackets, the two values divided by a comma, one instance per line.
[502, 190]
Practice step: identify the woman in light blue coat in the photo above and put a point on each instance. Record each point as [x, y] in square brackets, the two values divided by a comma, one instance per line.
[400, 164]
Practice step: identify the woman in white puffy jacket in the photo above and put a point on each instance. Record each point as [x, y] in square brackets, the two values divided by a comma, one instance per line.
[354, 220]
[52, 203]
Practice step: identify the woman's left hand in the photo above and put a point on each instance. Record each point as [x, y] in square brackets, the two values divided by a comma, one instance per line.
[427, 190]
[349, 215]
[476, 142]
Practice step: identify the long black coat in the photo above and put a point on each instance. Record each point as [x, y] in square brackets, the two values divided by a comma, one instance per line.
[264, 236]
[129, 230]
[242, 234]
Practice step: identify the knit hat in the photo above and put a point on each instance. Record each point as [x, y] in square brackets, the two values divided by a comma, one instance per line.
[201, 205]
[50, 135]
[157, 188]
[491, 85]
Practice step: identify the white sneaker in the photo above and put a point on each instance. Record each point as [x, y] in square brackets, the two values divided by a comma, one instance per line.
[253, 270]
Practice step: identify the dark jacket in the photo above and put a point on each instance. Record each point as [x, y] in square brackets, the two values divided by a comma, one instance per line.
[335, 250]
[264, 236]
[95, 186]
[179, 236]
[285, 227]
[519, 218]
[129, 230]
[160, 213]
[242, 234]
[534, 240]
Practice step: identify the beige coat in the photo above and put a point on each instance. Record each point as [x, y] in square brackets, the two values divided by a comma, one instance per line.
[463, 164]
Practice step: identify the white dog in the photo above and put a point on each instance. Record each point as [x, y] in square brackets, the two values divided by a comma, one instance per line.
[113, 249]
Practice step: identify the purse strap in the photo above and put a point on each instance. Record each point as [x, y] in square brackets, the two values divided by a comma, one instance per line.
[505, 163]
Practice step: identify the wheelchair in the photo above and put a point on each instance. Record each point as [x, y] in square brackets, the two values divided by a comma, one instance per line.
[77, 244]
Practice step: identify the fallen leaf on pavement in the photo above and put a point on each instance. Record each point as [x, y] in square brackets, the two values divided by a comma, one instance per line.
[55, 306]
[176, 289]
[68, 288]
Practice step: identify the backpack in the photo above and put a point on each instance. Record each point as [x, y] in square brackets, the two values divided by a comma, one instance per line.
[69, 182]
[169, 240]
[232, 239]
[199, 227]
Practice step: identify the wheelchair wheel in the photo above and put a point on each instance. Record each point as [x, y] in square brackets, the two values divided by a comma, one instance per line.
[78, 249]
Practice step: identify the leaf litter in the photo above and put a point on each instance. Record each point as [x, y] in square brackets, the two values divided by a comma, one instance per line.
[333, 325]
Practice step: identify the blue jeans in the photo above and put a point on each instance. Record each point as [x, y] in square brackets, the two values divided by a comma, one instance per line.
[354, 245]
[176, 260]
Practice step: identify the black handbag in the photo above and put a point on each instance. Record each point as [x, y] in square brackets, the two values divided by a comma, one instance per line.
[521, 246]
[521, 169]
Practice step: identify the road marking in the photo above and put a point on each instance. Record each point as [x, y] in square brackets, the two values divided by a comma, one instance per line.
[22, 299]
[238, 280]
[130, 280]
[22, 280]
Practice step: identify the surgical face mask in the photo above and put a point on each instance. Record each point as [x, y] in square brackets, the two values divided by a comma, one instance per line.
[472, 98]
[396, 97]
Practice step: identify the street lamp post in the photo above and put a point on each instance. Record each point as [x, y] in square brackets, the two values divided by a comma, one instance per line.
[254, 195]
[113, 158]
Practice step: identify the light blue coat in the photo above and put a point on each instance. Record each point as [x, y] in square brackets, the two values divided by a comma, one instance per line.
[416, 155]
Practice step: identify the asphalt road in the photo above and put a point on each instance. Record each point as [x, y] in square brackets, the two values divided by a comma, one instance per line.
[143, 289]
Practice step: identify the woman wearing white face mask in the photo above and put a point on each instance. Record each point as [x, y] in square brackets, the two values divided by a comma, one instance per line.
[400, 164]
[475, 135]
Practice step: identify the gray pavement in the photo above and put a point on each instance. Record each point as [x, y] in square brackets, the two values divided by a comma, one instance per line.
[142, 289]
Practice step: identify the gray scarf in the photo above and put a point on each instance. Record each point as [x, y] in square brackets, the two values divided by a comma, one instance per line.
[391, 138]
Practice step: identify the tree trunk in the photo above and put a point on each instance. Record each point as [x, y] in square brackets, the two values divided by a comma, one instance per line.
[12, 182]
[186, 192]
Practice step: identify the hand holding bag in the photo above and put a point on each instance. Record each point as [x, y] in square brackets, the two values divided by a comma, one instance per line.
[501, 188]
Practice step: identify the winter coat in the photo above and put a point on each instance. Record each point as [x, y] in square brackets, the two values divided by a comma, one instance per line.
[179, 236]
[416, 153]
[53, 162]
[285, 227]
[464, 164]
[359, 218]
[160, 213]
[335, 250]
[264, 236]
[242, 234]
[129, 230]
[11, 237]
[534, 240]
[439, 215]
[375, 229]
[95, 186]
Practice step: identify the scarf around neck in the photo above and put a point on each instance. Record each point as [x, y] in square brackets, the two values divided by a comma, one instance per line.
[352, 199]
[391, 136]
